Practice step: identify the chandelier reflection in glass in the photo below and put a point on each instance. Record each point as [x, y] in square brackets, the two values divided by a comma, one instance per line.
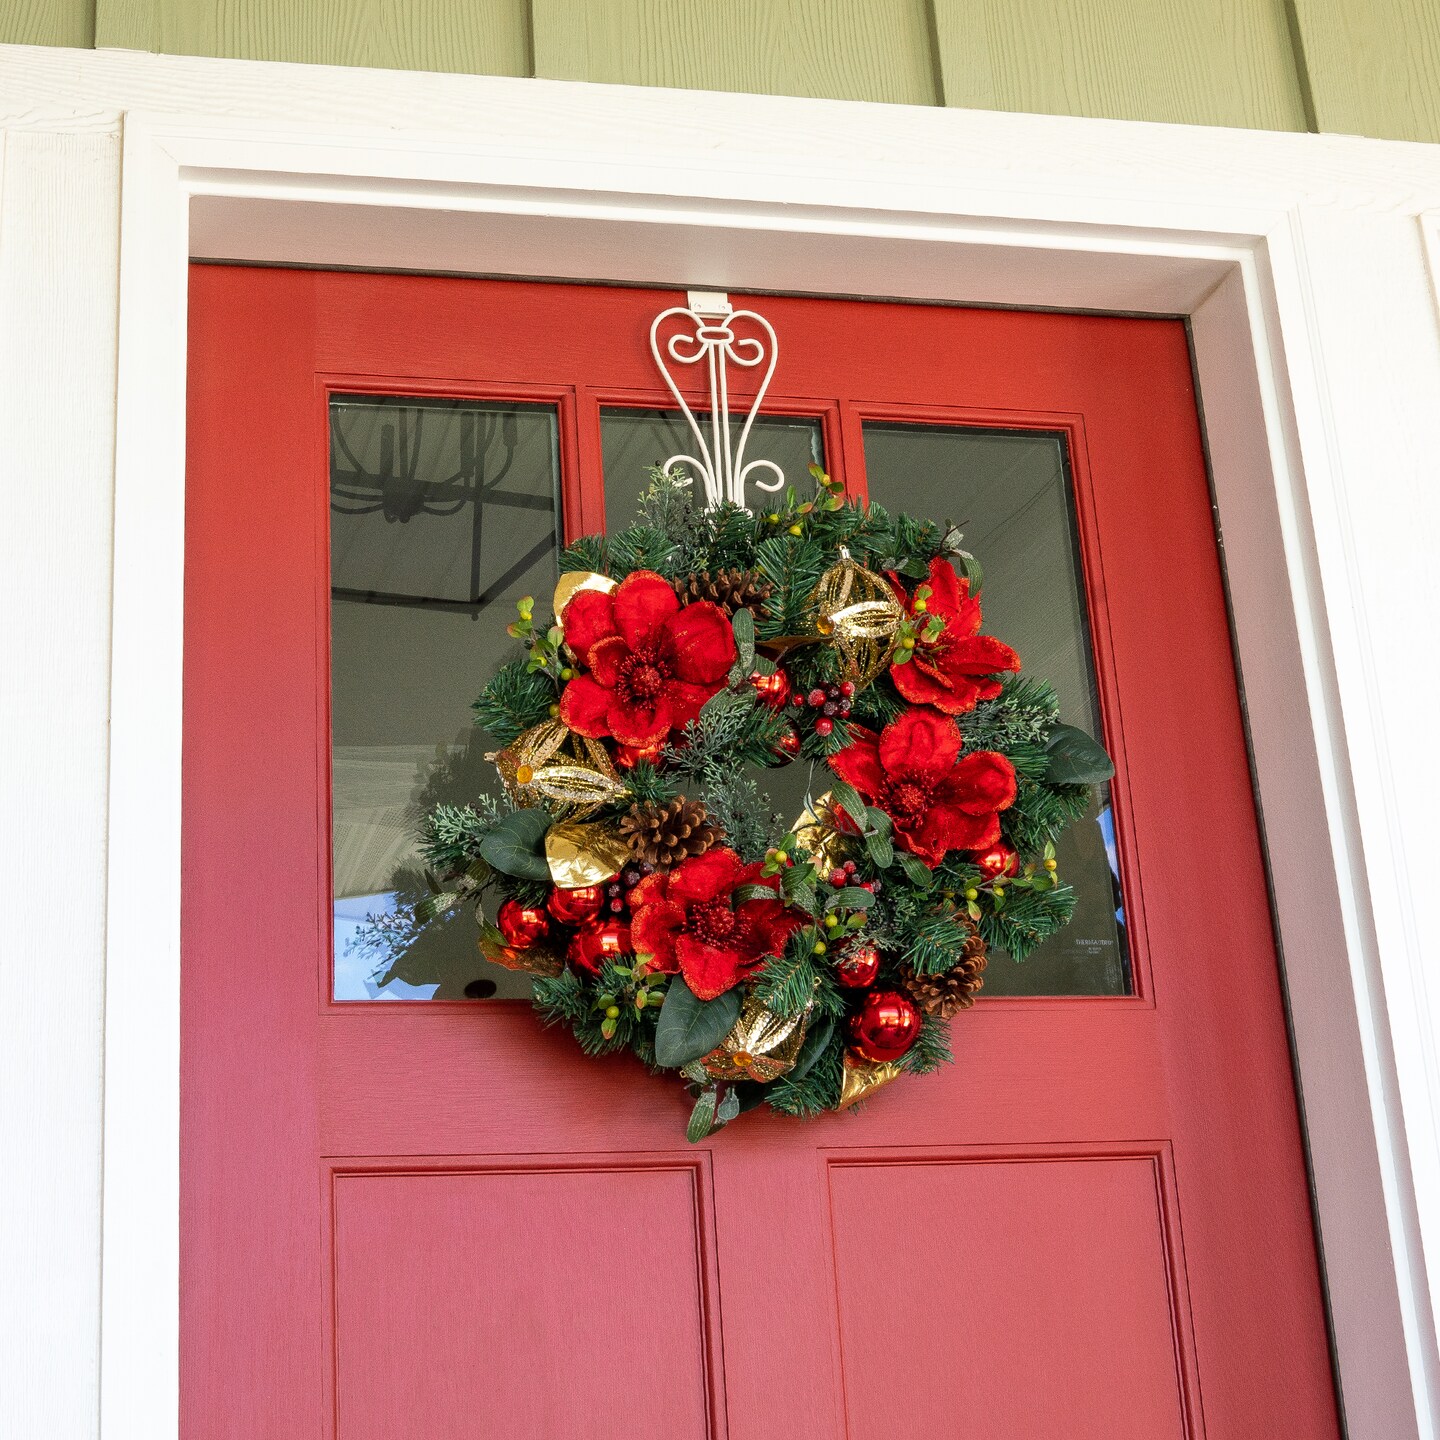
[392, 458]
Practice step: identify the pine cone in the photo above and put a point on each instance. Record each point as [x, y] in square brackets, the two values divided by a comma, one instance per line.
[731, 590]
[948, 994]
[666, 834]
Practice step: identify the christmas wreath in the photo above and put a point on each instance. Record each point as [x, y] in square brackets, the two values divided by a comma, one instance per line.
[634, 867]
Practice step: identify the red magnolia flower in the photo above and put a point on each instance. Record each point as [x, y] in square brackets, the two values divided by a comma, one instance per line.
[936, 800]
[952, 671]
[685, 920]
[652, 664]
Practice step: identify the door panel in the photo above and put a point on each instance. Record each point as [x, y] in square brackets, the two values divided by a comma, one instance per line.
[1098, 1212]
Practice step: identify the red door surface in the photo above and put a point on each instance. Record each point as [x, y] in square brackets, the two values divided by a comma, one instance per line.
[418, 1221]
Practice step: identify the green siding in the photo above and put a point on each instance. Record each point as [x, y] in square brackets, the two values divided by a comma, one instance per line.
[840, 49]
[1366, 67]
[1374, 66]
[1202, 62]
[48, 22]
[484, 37]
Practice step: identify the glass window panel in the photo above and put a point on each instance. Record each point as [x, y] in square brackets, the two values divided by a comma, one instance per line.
[1010, 494]
[442, 514]
[634, 440]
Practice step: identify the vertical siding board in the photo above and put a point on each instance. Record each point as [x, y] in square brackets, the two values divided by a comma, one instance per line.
[835, 49]
[1205, 62]
[59, 242]
[477, 37]
[48, 22]
[1373, 66]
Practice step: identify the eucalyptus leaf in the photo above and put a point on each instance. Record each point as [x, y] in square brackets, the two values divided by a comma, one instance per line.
[690, 1027]
[516, 846]
[743, 623]
[728, 1108]
[847, 797]
[1073, 758]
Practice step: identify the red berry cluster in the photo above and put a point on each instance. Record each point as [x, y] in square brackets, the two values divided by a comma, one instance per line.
[831, 700]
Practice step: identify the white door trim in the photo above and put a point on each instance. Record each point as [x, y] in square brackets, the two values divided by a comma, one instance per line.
[1301, 266]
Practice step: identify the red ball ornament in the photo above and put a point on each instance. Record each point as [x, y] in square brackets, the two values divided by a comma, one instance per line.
[773, 690]
[575, 907]
[522, 925]
[885, 1025]
[596, 943]
[858, 967]
[1000, 859]
[787, 747]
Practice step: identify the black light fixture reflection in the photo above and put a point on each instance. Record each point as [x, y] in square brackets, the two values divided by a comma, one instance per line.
[397, 491]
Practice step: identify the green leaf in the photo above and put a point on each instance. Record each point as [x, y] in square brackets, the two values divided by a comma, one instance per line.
[516, 846]
[813, 1048]
[690, 1027]
[743, 623]
[852, 897]
[974, 572]
[847, 797]
[427, 908]
[916, 871]
[702, 1117]
[754, 892]
[1073, 758]
[880, 850]
[728, 1108]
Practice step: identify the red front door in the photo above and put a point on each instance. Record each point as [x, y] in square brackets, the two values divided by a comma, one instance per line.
[411, 1218]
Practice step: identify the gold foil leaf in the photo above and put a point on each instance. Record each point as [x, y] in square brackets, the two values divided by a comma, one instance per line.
[761, 1045]
[581, 854]
[574, 581]
[821, 842]
[863, 1078]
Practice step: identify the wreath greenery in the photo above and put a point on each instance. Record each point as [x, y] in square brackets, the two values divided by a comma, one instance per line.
[635, 866]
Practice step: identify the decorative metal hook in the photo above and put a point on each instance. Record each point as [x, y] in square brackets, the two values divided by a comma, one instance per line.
[721, 464]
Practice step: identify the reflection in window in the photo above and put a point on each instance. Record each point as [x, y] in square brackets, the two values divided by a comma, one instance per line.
[442, 514]
[1010, 495]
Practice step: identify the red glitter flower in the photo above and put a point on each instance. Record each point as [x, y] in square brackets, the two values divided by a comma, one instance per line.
[652, 664]
[685, 920]
[936, 799]
[954, 669]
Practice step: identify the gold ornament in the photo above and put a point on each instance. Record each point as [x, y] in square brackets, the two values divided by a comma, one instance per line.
[863, 1078]
[822, 843]
[582, 854]
[537, 959]
[550, 761]
[761, 1046]
[860, 614]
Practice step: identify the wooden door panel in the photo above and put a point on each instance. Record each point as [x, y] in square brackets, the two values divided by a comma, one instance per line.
[1049, 1303]
[524, 1297]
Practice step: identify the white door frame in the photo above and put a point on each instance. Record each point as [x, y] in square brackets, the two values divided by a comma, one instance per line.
[1300, 262]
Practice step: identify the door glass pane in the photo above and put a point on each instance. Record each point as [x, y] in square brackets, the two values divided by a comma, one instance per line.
[442, 514]
[634, 440]
[1010, 494]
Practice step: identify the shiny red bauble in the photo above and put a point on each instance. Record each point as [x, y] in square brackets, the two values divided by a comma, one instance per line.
[857, 967]
[1000, 859]
[596, 943]
[627, 757]
[787, 747]
[884, 1027]
[522, 925]
[773, 690]
[575, 907]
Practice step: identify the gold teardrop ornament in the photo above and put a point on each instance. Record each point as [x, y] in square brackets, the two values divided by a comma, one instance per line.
[582, 854]
[551, 762]
[862, 1078]
[761, 1045]
[858, 612]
